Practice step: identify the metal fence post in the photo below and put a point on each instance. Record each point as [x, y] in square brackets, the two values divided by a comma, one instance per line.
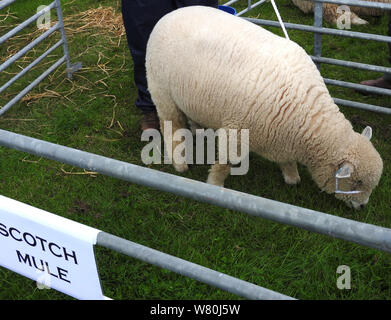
[70, 68]
[318, 19]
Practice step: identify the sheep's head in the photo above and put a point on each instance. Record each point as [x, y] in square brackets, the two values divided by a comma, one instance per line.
[354, 177]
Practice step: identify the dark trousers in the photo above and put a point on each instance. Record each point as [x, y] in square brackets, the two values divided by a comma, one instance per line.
[140, 16]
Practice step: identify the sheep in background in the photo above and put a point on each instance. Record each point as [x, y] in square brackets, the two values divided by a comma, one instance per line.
[331, 14]
[221, 71]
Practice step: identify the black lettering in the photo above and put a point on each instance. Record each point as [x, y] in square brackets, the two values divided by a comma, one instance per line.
[62, 274]
[51, 244]
[42, 268]
[48, 270]
[25, 259]
[3, 230]
[73, 255]
[32, 237]
[11, 233]
[42, 243]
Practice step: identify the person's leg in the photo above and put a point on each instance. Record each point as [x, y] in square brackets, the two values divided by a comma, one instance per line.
[385, 80]
[139, 18]
[382, 82]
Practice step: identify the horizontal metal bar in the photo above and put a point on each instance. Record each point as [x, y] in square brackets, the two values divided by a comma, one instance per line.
[327, 224]
[217, 279]
[353, 104]
[24, 24]
[32, 85]
[363, 106]
[5, 3]
[336, 32]
[230, 2]
[357, 3]
[28, 47]
[357, 86]
[351, 64]
[31, 65]
[250, 8]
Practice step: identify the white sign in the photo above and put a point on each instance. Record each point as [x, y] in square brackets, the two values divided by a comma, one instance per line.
[49, 249]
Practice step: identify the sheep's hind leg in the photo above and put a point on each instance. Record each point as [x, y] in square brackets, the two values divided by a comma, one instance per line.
[290, 173]
[218, 173]
[220, 170]
[171, 120]
[193, 126]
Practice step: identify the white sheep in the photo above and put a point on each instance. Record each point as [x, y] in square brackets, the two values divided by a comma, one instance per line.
[331, 12]
[222, 71]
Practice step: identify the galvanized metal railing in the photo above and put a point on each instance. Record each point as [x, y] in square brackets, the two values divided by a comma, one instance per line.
[362, 233]
[358, 232]
[149, 255]
[59, 26]
[162, 181]
[318, 31]
[349, 230]
[188, 269]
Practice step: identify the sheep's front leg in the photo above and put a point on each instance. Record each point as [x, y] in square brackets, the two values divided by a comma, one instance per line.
[290, 173]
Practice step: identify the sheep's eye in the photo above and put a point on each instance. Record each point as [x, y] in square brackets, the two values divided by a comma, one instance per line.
[357, 185]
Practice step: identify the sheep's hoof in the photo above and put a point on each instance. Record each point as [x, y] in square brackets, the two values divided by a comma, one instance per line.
[214, 181]
[182, 167]
[292, 180]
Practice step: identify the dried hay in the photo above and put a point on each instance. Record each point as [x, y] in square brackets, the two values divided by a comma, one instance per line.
[101, 19]
[104, 23]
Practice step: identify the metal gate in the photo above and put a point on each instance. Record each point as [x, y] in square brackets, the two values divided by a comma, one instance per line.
[365, 234]
[59, 26]
[318, 30]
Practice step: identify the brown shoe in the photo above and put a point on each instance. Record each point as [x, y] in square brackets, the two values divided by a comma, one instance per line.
[150, 121]
[379, 83]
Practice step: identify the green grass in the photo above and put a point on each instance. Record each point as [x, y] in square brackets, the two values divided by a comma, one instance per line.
[95, 112]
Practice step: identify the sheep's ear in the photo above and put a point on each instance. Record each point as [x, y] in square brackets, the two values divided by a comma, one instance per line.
[367, 132]
[344, 171]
